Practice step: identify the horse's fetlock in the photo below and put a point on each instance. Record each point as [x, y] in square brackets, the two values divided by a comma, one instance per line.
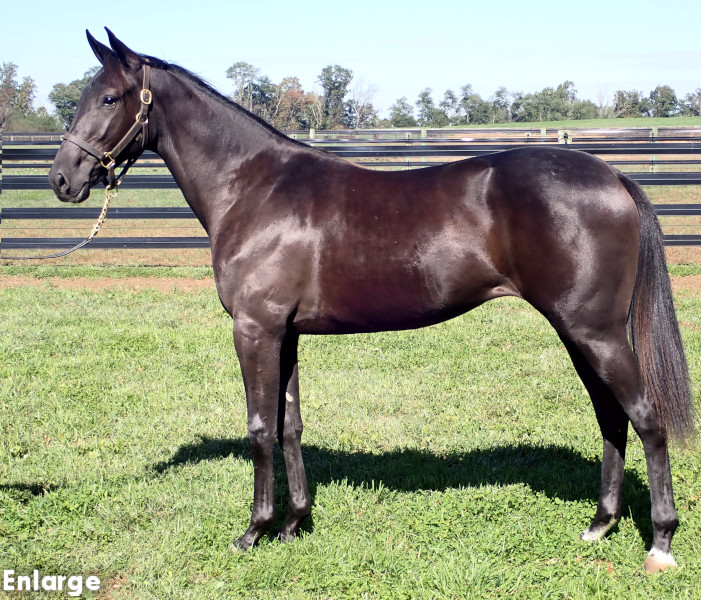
[667, 524]
[263, 520]
[300, 508]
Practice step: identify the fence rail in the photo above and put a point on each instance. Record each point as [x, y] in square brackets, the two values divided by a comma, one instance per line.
[177, 212]
[656, 149]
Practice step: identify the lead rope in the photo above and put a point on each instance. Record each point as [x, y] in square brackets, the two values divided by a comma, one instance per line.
[110, 194]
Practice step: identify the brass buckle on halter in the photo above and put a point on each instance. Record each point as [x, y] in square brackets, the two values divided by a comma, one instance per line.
[146, 97]
[109, 164]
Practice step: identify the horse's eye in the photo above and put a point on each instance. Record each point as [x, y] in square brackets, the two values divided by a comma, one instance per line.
[109, 101]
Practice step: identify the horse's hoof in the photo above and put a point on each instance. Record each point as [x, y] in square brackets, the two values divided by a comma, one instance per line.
[659, 561]
[598, 531]
[288, 536]
[241, 545]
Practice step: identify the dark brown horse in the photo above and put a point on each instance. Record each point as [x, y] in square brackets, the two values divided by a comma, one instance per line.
[306, 243]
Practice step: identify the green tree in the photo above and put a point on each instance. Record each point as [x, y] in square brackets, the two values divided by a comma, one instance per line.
[334, 81]
[360, 109]
[263, 93]
[288, 104]
[401, 114]
[65, 97]
[16, 99]
[429, 114]
[285, 105]
[500, 106]
[294, 108]
[426, 108]
[584, 109]
[8, 92]
[243, 74]
[631, 103]
[450, 107]
[37, 120]
[664, 101]
[472, 107]
[691, 106]
[25, 98]
[360, 115]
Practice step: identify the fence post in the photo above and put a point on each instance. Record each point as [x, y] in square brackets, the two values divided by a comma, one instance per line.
[312, 133]
[653, 158]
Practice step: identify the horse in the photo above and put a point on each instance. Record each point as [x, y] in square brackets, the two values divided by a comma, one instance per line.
[307, 243]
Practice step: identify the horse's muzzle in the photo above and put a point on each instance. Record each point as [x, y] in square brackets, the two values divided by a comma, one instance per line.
[65, 192]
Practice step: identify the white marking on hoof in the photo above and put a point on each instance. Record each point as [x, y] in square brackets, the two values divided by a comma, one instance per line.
[289, 397]
[659, 561]
[594, 534]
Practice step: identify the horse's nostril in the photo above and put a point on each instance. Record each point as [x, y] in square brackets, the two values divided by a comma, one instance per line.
[61, 182]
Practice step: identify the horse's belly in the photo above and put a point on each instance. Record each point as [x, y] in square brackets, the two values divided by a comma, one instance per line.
[404, 299]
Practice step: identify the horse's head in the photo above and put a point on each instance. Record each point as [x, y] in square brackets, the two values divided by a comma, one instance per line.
[104, 132]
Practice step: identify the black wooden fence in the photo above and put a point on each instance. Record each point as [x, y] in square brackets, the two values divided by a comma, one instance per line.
[651, 156]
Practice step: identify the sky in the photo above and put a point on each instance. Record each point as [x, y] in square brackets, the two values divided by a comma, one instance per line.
[396, 47]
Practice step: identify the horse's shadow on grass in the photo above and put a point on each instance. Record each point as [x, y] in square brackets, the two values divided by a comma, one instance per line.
[556, 471]
[26, 492]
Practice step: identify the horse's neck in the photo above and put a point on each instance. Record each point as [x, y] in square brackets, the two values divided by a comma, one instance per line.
[204, 142]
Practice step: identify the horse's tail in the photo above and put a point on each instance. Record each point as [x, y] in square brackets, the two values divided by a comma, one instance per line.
[654, 328]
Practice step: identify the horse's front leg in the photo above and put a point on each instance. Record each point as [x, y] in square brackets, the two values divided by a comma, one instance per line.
[290, 437]
[258, 351]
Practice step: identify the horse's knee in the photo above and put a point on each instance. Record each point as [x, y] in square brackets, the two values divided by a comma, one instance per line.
[261, 436]
[300, 506]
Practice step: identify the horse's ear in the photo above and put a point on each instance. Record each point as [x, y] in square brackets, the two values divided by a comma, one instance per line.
[101, 51]
[130, 60]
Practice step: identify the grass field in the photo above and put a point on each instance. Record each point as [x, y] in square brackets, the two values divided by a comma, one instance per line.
[458, 461]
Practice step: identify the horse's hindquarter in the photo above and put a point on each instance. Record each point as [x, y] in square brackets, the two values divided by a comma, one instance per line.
[568, 230]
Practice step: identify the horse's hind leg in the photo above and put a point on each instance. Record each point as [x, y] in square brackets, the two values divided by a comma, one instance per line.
[613, 423]
[606, 353]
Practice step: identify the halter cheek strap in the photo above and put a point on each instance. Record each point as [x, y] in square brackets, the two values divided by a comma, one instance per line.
[108, 159]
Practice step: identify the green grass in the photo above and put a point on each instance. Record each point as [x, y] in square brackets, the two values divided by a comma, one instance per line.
[126, 197]
[42, 271]
[458, 461]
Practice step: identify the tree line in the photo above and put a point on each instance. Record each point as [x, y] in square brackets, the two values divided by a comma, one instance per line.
[342, 103]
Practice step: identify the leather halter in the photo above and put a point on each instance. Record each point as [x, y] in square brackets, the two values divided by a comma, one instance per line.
[109, 159]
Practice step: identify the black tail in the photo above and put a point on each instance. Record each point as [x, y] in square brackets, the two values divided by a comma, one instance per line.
[654, 328]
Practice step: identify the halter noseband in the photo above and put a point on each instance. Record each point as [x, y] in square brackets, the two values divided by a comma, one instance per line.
[108, 159]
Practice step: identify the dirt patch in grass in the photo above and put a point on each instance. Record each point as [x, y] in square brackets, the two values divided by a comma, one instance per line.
[161, 284]
[690, 284]
[683, 255]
